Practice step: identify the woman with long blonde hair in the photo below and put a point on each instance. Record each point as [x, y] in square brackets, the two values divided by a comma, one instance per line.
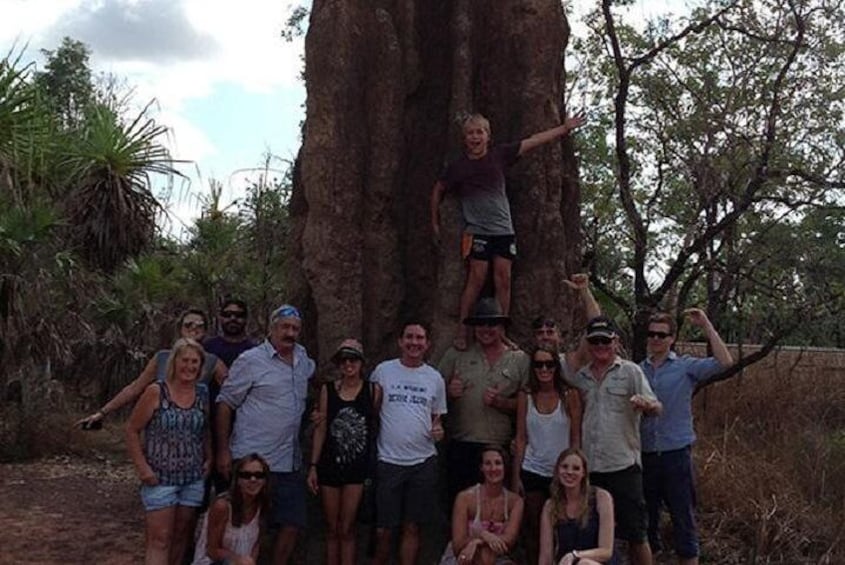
[576, 527]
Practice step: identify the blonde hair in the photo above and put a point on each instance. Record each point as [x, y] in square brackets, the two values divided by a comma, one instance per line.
[476, 119]
[179, 346]
[558, 492]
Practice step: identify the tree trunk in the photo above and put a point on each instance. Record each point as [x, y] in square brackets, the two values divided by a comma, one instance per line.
[386, 81]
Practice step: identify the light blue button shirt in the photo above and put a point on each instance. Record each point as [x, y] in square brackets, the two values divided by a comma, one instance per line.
[268, 396]
[674, 383]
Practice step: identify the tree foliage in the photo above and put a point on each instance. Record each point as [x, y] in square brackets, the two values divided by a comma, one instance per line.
[75, 184]
[726, 143]
[67, 82]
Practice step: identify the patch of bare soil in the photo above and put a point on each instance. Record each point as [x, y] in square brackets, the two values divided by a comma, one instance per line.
[70, 510]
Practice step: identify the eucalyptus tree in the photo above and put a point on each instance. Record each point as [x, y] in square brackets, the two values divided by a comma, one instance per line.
[724, 124]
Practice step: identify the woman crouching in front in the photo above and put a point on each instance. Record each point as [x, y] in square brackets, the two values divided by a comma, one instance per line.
[486, 517]
[576, 527]
[231, 530]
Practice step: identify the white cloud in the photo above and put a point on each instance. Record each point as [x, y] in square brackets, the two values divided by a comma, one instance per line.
[24, 20]
[254, 53]
[150, 30]
[176, 52]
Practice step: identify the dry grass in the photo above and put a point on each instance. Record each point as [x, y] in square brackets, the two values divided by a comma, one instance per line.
[771, 462]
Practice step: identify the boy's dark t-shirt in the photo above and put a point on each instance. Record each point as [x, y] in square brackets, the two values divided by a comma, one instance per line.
[480, 186]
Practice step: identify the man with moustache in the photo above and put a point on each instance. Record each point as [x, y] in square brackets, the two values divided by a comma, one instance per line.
[233, 341]
[481, 384]
[267, 389]
[616, 394]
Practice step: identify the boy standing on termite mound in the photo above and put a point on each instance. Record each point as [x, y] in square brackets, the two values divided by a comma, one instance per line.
[478, 178]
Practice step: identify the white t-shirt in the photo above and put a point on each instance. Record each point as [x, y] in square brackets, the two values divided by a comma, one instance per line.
[411, 396]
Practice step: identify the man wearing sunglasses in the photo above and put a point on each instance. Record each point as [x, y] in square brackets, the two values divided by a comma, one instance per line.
[482, 382]
[616, 394]
[233, 339]
[227, 347]
[667, 438]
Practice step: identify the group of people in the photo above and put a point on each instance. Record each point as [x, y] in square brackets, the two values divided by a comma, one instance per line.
[598, 443]
[586, 467]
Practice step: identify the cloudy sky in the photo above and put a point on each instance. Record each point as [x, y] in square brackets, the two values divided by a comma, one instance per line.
[224, 80]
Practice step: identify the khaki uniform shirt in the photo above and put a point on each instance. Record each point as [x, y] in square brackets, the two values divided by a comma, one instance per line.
[610, 431]
[469, 418]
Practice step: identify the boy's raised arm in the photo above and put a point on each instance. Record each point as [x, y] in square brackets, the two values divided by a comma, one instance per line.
[548, 135]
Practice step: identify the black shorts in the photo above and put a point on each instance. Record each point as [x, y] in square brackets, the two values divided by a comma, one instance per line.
[332, 475]
[532, 482]
[486, 247]
[626, 488]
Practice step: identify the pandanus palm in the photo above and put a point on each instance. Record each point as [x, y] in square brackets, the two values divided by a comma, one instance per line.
[24, 132]
[111, 206]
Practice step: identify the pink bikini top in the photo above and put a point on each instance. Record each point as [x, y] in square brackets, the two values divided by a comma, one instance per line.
[477, 525]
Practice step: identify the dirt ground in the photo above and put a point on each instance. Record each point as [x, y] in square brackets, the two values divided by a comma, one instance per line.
[84, 508]
[70, 510]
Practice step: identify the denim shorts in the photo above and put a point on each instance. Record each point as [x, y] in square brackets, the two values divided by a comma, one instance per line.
[164, 496]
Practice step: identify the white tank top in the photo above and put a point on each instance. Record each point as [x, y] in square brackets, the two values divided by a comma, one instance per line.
[241, 540]
[547, 435]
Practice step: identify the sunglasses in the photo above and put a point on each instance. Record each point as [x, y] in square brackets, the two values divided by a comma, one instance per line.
[658, 335]
[349, 358]
[544, 364]
[488, 323]
[599, 340]
[193, 325]
[257, 475]
[546, 323]
[233, 314]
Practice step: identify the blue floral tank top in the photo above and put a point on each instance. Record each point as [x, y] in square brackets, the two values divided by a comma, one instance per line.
[173, 438]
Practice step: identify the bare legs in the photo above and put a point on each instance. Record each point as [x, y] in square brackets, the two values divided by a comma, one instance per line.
[476, 276]
[533, 509]
[502, 282]
[409, 545]
[340, 506]
[285, 544]
[168, 531]
[639, 553]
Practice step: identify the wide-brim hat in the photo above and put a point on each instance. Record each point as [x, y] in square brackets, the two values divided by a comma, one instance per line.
[348, 348]
[486, 312]
[601, 326]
